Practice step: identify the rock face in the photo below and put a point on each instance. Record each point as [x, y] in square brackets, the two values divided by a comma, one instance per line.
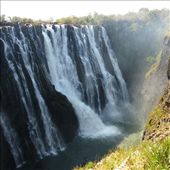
[158, 124]
[168, 72]
[157, 127]
[155, 84]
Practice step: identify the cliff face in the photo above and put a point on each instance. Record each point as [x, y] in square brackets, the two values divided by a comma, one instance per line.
[158, 125]
[155, 81]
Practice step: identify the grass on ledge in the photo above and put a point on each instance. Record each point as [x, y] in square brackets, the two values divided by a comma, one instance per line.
[154, 118]
[147, 155]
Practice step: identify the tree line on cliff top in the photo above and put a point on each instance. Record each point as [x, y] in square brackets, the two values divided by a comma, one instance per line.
[143, 14]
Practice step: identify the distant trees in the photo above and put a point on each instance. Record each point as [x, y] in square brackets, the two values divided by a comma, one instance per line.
[16, 19]
[90, 19]
[136, 38]
[144, 15]
[4, 20]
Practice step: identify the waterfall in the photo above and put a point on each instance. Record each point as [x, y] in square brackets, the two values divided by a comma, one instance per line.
[75, 61]
[64, 75]
[53, 141]
[12, 138]
[33, 128]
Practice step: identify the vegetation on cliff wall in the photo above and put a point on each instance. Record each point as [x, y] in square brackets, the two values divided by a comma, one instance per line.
[158, 125]
[155, 81]
[154, 61]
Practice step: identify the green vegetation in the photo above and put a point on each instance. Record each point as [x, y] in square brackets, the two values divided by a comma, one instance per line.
[155, 116]
[144, 15]
[134, 27]
[91, 19]
[131, 140]
[145, 156]
[5, 20]
[157, 126]
[98, 19]
[90, 165]
[158, 156]
[154, 61]
[134, 37]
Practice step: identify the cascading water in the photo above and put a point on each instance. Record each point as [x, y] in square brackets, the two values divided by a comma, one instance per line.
[76, 61]
[64, 75]
[12, 138]
[50, 131]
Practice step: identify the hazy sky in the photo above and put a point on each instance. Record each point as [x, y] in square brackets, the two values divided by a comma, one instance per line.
[58, 9]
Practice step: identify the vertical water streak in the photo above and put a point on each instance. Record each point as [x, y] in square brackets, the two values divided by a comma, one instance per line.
[106, 76]
[91, 85]
[12, 139]
[34, 130]
[116, 67]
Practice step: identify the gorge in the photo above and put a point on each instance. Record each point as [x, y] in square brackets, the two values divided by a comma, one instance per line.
[71, 92]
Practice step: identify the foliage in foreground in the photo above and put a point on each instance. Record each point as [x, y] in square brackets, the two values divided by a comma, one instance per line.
[145, 156]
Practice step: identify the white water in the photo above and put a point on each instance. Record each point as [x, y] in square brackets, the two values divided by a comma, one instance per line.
[32, 125]
[53, 140]
[64, 76]
[51, 133]
[115, 66]
[12, 139]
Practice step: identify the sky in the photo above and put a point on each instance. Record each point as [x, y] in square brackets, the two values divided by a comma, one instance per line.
[58, 9]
